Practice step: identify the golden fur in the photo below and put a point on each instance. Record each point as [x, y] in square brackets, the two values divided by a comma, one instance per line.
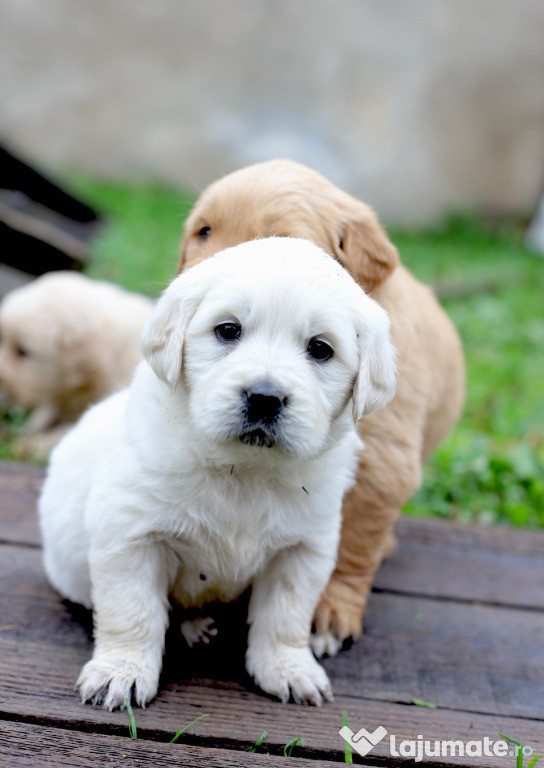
[284, 198]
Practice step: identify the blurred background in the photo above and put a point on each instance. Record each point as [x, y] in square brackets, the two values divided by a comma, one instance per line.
[431, 112]
[420, 107]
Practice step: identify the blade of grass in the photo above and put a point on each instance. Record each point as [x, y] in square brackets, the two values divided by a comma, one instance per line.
[259, 741]
[288, 748]
[534, 761]
[131, 720]
[348, 753]
[421, 703]
[509, 739]
[180, 733]
[519, 761]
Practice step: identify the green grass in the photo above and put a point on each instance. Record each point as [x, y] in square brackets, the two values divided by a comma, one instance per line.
[491, 468]
[132, 729]
[11, 423]
[288, 749]
[186, 728]
[348, 752]
[518, 752]
[259, 742]
[139, 244]
[426, 704]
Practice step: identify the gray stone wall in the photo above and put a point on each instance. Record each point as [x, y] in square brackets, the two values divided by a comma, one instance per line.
[417, 106]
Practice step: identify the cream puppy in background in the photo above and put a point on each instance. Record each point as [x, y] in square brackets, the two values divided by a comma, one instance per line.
[222, 466]
[66, 341]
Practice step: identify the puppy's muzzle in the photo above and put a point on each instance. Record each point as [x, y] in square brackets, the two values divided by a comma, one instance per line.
[263, 406]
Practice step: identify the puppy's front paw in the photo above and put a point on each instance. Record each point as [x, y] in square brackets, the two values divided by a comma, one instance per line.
[197, 631]
[108, 680]
[284, 671]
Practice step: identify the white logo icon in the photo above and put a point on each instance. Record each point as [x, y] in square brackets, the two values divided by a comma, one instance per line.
[362, 741]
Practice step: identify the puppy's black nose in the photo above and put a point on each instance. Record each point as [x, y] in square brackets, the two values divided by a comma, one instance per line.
[263, 404]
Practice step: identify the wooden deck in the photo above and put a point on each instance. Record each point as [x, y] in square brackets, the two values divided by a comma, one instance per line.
[456, 619]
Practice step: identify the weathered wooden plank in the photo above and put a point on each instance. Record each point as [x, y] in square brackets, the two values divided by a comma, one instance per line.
[470, 657]
[461, 657]
[500, 539]
[464, 657]
[434, 558]
[497, 565]
[20, 485]
[34, 745]
[236, 721]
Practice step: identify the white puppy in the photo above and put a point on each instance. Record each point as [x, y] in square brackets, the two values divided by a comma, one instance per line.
[66, 342]
[223, 466]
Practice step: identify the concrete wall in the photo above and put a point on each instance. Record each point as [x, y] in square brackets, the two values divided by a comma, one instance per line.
[417, 106]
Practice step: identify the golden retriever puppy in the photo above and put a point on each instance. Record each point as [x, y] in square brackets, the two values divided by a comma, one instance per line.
[223, 465]
[65, 342]
[284, 198]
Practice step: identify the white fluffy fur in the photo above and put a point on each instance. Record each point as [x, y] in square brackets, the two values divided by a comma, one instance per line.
[154, 486]
[66, 341]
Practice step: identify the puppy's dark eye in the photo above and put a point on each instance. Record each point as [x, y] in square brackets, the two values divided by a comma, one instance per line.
[228, 331]
[204, 233]
[21, 351]
[319, 350]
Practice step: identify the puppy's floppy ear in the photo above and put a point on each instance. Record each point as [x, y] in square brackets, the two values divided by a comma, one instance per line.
[375, 382]
[364, 248]
[162, 338]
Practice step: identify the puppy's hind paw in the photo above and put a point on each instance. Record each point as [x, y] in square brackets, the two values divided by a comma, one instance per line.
[338, 618]
[197, 631]
[111, 682]
[325, 644]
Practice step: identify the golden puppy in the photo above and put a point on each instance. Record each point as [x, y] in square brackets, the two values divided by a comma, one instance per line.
[65, 342]
[284, 198]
